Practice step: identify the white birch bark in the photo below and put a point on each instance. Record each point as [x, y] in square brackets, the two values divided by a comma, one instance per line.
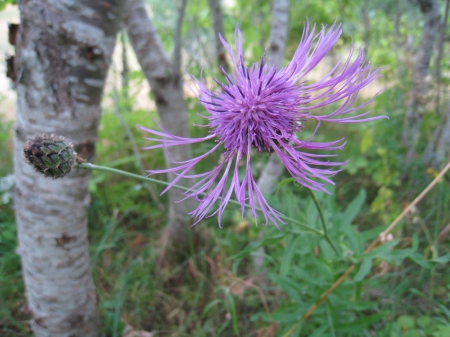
[167, 90]
[274, 169]
[436, 152]
[62, 56]
[414, 114]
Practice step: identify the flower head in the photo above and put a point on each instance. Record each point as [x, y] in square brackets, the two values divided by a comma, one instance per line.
[51, 155]
[263, 109]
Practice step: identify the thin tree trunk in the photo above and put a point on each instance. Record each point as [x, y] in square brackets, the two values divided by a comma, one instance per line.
[443, 142]
[216, 18]
[414, 114]
[167, 90]
[125, 68]
[440, 49]
[274, 168]
[178, 44]
[63, 54]
[367, 26]
[434, 154]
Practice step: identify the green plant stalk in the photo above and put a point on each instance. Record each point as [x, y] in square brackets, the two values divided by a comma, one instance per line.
[92, 167]
[324, 224]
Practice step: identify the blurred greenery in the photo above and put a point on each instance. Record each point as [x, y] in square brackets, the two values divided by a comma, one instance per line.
[400, 289]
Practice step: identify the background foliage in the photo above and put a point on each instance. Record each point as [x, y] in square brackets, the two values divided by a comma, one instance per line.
[399, 289]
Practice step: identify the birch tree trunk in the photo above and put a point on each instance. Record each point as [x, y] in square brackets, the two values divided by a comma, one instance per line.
[167, 90]
[274, 168]
[216, 18]
[414, 114]
[436, 152]
[63, 52]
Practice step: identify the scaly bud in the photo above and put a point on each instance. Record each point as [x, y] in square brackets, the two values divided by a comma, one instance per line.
[53, 156]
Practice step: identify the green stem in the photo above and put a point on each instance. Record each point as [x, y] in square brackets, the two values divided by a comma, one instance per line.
[92, 167]
[324, 224]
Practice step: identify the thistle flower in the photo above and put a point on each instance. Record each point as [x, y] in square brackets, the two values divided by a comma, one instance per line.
[264, 109]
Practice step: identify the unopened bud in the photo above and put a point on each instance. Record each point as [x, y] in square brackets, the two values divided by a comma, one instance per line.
[53, 156]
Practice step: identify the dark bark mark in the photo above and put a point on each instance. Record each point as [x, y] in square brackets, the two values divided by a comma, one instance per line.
[274, 47]
[85, 150]
[40, 321]
[10, 70]
[64, 239]
[425, 5]
[92, 53]
[13, 29]
[21, 134]
[103, 14]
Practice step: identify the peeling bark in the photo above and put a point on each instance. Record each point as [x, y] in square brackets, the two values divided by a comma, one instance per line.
[274, 168]
[167, 90]
[414, 114]
[216, 18]
[63, 52]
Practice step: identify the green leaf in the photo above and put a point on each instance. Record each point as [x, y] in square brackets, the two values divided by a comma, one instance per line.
[354, 208]
[288, 254]
[284, 182]
[382, 251]
[372, 233]
[232, 309]
[412, 333]
[418, 258]
[406, 321]
[442, 259]
[361, 323]
[291, 288]
[424, 321]
[364, 269]
[255, 245]
[209, 306]
[442, 331]
[354, 238]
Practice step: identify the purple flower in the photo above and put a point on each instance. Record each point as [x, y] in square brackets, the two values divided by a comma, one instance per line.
[263, 109]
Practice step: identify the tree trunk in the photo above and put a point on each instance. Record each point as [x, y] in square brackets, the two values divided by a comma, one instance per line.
[216, 18]
[414, 114]
[167, 90]
[274, 168]
[63, 54]
[435, 154]
[440, 49]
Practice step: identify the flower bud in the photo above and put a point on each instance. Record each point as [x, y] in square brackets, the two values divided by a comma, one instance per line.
[51, 155]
